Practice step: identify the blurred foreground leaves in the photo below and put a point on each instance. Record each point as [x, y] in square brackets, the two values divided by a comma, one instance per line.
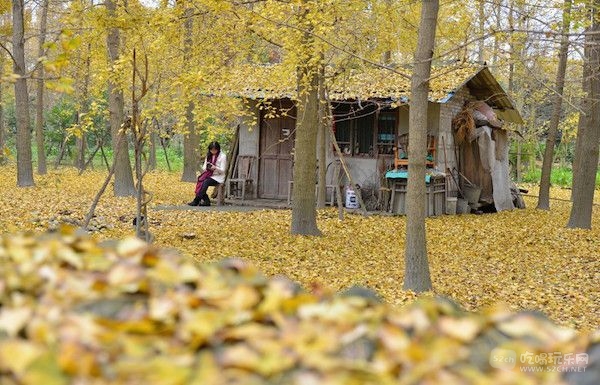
[74, 311]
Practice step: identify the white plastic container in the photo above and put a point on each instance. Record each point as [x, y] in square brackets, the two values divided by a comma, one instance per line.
[351, 201]
[451, 205]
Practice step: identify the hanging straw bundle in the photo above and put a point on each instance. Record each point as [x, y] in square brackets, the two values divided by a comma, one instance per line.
[463, 124]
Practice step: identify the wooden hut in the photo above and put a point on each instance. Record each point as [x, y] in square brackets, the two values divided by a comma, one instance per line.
[370, 111]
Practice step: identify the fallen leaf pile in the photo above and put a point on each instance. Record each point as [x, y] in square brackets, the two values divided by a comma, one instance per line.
[524, 258]
[74, 311]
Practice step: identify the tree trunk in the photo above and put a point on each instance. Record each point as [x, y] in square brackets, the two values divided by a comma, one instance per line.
[191, 139]
[387, 54]
[518, 165]
[497, 7]
[416, 275]
[2, 132]
[531, 154]
[482, 19]
[588, 139]
[123, 185]
[80, 142]
[24, 165]
[39, 105]
[582, 124]
[544, 196]
[191, 147]
[152, 150]
[322, 141]
[304, 213]
[512, 52]
[80, 147]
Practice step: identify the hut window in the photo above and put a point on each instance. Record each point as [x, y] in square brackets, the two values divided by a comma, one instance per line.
[343, 135]
[363, 145]
[386, 132]
[355, 128]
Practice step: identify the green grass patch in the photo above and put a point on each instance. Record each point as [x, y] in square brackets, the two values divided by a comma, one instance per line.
[560, 176]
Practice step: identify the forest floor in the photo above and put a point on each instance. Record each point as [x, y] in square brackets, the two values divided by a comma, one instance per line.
[524, 258]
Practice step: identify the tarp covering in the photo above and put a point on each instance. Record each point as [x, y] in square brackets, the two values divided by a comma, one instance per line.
[501, 173]
[485, 159]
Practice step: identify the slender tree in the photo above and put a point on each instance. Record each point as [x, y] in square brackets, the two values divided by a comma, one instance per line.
[2, 130]
[416, 275]
[588, 136]
[123, 185]
[80, 140]
[497, 9]
[544, 197]
[304, 214]
[39, 103]
[152, 150]
[24, 164]
[481, 25]
[322, 140]
[191, 138]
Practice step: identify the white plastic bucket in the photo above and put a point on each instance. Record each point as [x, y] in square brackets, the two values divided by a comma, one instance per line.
[351, 201]
[451, 205]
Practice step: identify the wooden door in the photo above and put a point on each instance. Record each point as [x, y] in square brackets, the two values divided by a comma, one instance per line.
[276, 159]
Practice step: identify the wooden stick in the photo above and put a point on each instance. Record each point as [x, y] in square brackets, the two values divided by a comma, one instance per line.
[90, 214]
[63, 146]
[89, 160]
[104, 156]
[234, 153]
[111, 171]
[468, 181]
[448, 171]
[341, 157]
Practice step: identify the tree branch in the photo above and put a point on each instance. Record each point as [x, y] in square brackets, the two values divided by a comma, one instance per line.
[324, 40]
[8, 51]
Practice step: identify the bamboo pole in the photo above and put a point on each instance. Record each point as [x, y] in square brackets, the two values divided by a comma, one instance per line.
[347, 172]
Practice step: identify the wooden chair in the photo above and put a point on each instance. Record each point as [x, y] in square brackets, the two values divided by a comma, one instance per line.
[401, 149]
[401, 152]
[241, 177]
[337, 166]
[431, 149]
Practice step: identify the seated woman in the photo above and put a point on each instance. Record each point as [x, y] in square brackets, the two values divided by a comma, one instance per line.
[214, 168]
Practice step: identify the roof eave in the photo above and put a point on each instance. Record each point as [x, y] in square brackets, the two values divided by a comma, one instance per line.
[508, 112]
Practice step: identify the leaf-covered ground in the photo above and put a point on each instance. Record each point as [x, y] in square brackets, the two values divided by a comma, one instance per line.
[74, 311]
[525, 258]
